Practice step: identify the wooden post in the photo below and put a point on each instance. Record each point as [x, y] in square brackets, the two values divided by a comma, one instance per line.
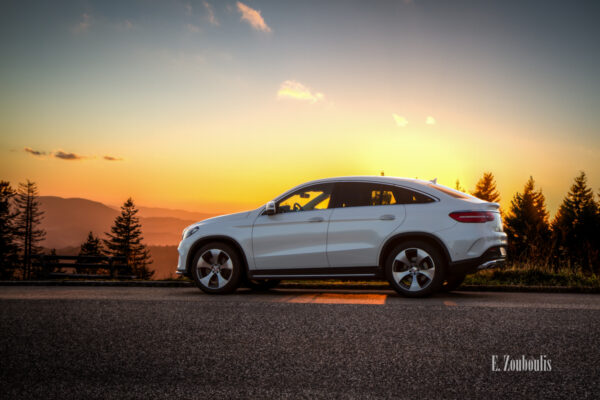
[45, 271]
[111, 267]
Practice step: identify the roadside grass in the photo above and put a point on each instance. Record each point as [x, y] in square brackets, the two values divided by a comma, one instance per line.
[517, 275]
[514, 275]
[534, 275]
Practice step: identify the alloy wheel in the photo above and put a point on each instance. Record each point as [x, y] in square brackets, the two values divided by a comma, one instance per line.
[413, 269]
[214, 268]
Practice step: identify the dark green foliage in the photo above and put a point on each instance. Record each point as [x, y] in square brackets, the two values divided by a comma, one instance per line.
[28, 236]
[526, 225]
[8, 247]
[92, 246]
[576, 228]
[533, 275]
[125, 239]
[486, 188]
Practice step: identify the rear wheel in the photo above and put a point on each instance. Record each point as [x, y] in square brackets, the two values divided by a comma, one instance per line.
[216, 268]
[262, 284]
[415, 269]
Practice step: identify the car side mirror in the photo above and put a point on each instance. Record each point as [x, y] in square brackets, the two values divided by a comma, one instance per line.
[271, 208]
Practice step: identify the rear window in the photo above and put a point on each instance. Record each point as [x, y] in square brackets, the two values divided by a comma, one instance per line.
[450, 192]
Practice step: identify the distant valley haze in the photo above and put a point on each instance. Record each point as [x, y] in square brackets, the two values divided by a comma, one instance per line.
[67, 221]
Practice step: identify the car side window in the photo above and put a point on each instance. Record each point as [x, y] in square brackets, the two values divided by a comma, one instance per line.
[361, 194]
[382, 196]
[306, 199]
[406, 196]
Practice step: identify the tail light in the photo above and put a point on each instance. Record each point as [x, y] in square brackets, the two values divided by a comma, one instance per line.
[472, 216]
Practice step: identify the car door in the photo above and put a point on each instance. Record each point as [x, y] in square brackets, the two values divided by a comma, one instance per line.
[295, 237]
[364, 214]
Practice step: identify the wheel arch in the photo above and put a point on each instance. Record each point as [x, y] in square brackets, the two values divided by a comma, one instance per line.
[215, 238]
[406, 236]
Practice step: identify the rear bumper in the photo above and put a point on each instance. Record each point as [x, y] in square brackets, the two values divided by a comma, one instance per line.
[494, 257]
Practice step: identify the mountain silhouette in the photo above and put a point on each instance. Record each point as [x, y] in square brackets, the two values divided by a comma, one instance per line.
[67, 221]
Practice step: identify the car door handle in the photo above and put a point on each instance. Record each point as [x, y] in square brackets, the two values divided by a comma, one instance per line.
[316, 219]
[387, 217]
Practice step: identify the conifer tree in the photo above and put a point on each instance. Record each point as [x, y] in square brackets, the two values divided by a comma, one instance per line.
[28, 234]
[486, 188]
[8, 246]
[458, 186]
[92, 246]
[527, 227]
[576, 227]
[125, 240]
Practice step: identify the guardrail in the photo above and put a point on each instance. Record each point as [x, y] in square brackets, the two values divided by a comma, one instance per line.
[103, 267]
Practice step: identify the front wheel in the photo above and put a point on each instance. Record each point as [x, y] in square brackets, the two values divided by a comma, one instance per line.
[217, 268]
[415, 269]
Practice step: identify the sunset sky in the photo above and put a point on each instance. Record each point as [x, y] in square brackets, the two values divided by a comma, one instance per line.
[218, 106]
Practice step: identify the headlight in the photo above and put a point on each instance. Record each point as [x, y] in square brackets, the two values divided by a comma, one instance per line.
[190, 232]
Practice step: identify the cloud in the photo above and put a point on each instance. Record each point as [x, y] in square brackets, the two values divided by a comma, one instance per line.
[253, 17]
[430, 120]
[84, 24]
[211, 14]
[34, 152]
[188, 9]
[127, 24]
[67, 156]
[192, 28]
[297, 91]
[111, 158]
[400, 120]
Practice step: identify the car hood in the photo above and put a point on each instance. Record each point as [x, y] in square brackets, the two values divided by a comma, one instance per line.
[225, 218]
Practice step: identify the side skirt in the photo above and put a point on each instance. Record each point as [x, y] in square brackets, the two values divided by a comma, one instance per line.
[317, 273]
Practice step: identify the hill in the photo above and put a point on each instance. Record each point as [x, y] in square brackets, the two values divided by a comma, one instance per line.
[68, 221]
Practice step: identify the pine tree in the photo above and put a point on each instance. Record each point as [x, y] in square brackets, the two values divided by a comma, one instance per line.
[458, 187]
[27, 233]
[486, 188]
[576, 227]
[8, 246]
[92, 246]
[125, 240]
[527, 227]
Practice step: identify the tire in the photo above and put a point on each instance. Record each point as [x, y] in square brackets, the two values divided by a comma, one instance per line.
[216, 268]
[415, 269]
[452, 282]
[261, 284]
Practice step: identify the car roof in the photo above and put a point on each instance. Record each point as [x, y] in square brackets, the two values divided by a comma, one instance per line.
[424, 186]
[417, 184]
[371, 178]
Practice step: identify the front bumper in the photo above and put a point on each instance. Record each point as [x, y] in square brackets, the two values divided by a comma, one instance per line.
[182, 249]
[494, 257]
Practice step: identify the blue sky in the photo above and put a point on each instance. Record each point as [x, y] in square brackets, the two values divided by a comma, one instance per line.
[506, 86]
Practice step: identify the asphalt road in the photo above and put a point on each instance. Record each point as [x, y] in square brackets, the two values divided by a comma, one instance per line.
[102, 342]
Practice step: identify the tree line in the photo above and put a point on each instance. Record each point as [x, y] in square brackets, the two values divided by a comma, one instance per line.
[571, 240]
[20, 236]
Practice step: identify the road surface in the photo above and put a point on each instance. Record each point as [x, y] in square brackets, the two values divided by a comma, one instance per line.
[103, 342]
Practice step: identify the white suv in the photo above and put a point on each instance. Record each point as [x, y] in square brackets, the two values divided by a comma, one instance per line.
[420, 236]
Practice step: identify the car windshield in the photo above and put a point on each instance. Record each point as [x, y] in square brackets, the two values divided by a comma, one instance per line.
[313, 198]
